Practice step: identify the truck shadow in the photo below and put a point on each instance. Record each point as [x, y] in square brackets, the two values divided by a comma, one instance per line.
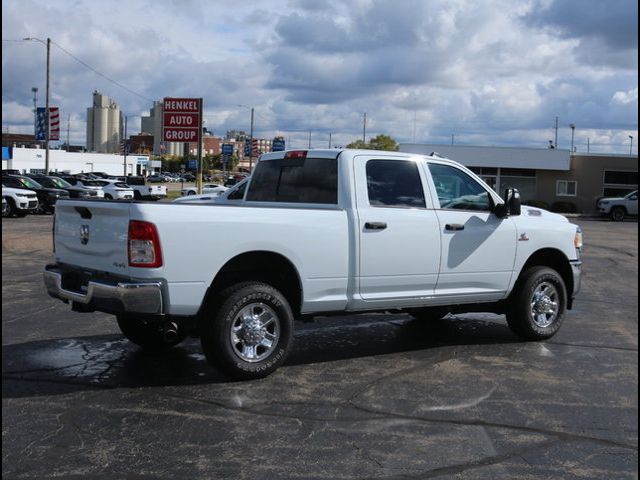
[61, 366]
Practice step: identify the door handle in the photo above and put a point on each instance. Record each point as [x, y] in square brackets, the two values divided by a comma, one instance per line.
[454, 226]
[375, 225]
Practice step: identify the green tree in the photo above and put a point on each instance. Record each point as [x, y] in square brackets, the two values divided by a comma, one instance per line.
[381, 142]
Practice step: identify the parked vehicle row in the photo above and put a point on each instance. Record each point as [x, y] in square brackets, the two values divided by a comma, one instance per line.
[46, 196]
[18, 202]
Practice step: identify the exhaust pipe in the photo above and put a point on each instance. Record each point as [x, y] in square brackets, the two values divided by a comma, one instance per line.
[170, 332]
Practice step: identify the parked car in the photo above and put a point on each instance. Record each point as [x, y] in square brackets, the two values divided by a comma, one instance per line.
[81, 181]
[115, 189]
[232, 195]
[617, 208]
[47, 197]
[75, 191]
[156, 179]
[18, 202]
[206, 188]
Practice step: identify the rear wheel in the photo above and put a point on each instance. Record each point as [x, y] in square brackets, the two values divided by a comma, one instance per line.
[9, 209]
[538, 304]
[148, 335]
[108, 196]
[247, 331]
[617, 214]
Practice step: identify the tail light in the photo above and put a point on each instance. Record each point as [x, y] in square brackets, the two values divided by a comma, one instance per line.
[144, 245]
[295, 154]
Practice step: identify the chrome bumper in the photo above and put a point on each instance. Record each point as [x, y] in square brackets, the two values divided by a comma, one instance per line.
[576, 269]
[111, 295]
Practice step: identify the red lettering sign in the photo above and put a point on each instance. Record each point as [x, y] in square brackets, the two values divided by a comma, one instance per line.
[181, 119]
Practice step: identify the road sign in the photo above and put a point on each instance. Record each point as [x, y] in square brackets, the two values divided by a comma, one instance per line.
[278, 144]
[227, 149]
[193, 163]
[181, 119]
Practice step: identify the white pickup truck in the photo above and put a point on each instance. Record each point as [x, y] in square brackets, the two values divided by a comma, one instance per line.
[317, 232]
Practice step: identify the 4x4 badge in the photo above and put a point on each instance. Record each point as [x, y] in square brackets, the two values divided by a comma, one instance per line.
[84, 234]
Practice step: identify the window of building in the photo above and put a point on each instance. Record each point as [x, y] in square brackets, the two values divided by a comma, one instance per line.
[295, 180]
[617, 183]
[566, 188]
[457, 190]
[392, 183]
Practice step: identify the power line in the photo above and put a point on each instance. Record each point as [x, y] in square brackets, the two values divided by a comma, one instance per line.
[101, 74]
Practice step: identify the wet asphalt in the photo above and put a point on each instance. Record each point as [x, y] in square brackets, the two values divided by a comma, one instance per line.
[362, 396]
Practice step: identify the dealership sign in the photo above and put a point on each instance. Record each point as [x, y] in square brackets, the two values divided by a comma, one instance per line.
[181, 119]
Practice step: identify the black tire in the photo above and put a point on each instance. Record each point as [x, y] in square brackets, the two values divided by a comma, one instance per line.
[538, 304]
[240, 350]
[147, 335]
[108, 196]
[137, 195]
[428, 314]
[11, 208]
[617, 214]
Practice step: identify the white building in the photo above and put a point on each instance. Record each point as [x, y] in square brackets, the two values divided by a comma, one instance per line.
[31, 160]
[153, 125]
[104, 125]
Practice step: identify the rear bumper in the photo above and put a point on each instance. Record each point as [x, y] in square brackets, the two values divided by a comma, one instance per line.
[109, 294]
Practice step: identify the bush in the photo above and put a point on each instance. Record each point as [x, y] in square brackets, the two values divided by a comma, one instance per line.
[537, 203]
[564, 207]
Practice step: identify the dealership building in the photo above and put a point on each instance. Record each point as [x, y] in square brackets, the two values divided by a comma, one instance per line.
[543, 174]
[32, 160]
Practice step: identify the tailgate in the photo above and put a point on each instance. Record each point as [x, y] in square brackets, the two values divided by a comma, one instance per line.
[93, 234]
[157, 190]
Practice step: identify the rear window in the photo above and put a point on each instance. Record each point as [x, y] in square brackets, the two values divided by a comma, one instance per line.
[295, 180]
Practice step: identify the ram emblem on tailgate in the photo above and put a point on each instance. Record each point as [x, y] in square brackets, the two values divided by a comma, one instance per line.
[84, 234]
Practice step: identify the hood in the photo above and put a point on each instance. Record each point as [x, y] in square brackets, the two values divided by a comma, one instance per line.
[535, 212]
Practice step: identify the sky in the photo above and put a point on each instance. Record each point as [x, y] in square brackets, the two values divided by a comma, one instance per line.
[472, 72]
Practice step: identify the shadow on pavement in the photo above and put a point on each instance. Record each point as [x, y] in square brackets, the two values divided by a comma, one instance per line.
[66, 365]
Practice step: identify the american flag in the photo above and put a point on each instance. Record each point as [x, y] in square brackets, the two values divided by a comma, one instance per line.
[54, 123]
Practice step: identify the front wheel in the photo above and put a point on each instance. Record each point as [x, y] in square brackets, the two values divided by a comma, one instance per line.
[538, 304]
[148, 335]
[617, 214]
[247, 331]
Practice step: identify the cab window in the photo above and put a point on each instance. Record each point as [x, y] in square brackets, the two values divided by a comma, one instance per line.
[457, 190]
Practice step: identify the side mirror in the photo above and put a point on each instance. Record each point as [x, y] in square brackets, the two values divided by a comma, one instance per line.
[512, 200]
[501, 210]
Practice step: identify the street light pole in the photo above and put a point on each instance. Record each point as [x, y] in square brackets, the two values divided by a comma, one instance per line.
[251, 144]
[630, 144]
[35, 109]
[573, 129]
[46, 116]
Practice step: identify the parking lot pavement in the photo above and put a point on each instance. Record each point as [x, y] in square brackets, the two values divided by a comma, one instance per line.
[364, 396]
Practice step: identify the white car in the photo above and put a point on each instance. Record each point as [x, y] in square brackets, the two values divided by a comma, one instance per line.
[19, 202]
[206, 188]
[115, 189]
[232, 195]
[91, 184]
[619, 207]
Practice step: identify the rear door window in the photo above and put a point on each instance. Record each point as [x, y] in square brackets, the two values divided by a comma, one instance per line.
[394, 183]
[295, 180]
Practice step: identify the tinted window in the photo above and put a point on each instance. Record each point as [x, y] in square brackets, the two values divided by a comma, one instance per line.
[296, 180]
[457, 190]
[121, 185]
[238, 193]
[11, 182]
[393, 183]
[29, 183]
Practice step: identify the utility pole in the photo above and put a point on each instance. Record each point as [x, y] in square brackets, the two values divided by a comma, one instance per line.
[68, 129]
[46, 158]
[573, 129]
[587, 144]
[364, 128]
[35, 110]
[452, 138]
[556, 142]
[329, 140]
[309, 139]
[631, 144]
[124, 148]
[251, 144]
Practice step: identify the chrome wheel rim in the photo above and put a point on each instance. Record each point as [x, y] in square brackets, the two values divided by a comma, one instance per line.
[545, 304]
[255, 332]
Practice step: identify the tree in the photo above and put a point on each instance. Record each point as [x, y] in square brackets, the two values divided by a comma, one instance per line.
[380, 142]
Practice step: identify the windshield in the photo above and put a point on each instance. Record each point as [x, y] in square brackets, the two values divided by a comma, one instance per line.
[632, 194]
[91, 183]
[121, 185]
[29, 183]
[59, 183]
